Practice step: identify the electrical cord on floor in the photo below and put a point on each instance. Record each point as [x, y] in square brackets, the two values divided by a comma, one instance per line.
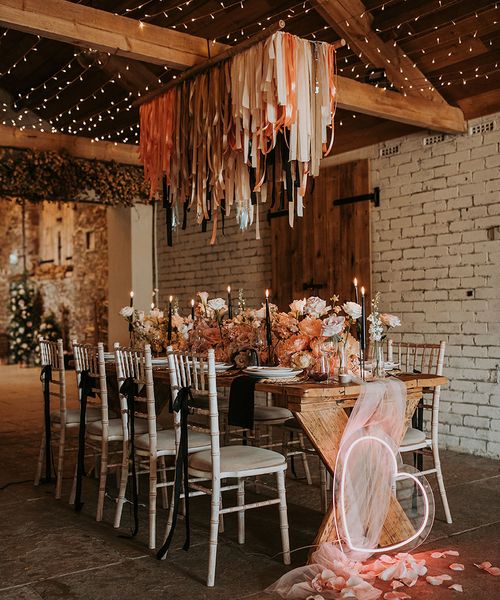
[6, 485]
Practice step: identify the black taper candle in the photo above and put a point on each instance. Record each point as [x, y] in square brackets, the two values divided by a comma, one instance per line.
[269, 337]
[229, 303]
[192, 309]
[170, 319]
[356, 295]
[130, 326]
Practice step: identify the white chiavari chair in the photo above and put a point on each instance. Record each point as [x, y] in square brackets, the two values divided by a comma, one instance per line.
[423, 358]
[221, 463]
[104, 436]
[63, 419]
[152, 444]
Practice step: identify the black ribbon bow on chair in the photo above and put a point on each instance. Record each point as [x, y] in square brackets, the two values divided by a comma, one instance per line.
[46, 378]
[130, 390]
[181, 406]
[86, 385]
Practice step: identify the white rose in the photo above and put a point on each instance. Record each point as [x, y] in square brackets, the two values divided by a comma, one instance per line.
[127, 311]
[156, 313]
[352, 309]
[297, 306]
[390, 320]
[332, 326]
[185, 328]
[301, 360]
[315, 307]
[217, 305]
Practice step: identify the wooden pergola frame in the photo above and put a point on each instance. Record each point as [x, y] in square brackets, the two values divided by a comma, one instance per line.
[89, 27]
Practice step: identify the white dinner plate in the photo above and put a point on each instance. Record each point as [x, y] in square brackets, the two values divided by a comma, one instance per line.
[272, 372]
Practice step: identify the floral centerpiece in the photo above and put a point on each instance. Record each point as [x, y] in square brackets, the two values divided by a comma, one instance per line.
[313, 334]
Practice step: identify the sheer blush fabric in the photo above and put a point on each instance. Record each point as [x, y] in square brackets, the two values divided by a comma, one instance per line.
[336, 571]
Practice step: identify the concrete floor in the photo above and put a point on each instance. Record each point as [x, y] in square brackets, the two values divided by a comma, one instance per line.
[49, 551]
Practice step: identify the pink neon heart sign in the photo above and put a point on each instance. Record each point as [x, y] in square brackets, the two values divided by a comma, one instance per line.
[396, 476]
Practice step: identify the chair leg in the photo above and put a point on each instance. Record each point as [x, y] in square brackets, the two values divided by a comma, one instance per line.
[305, 462]
[285, 540]
[214, 532]
[440, 480]
[163, 479]
[123, 487]
[103, 475]
[39, 465]
[241, 513]
[152, 501]
[60, 462]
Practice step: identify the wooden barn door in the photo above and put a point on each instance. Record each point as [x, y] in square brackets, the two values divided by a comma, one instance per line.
[329, 245]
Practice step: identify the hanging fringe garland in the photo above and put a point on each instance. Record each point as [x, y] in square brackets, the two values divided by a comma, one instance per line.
[251, 129]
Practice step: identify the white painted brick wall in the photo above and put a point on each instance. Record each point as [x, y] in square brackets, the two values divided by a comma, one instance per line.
[430, 246]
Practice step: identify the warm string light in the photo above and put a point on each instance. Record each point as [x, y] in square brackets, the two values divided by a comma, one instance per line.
[23, 58]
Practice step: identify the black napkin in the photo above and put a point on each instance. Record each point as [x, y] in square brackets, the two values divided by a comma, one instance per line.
[242, 401]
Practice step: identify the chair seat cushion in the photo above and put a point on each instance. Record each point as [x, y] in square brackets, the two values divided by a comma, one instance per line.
[413, 436]
[93, 413]
[197, 440]
[271, 413]
[237, 458]
[115, 428]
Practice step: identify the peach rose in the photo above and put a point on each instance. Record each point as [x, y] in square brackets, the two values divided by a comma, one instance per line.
[311, 327]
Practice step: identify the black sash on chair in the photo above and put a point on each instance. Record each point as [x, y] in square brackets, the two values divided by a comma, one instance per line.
[46, 378]
[181, 405]
[130, 390]
[86, 385]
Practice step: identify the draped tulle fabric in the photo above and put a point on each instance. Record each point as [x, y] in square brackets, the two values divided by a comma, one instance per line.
[259, 122]
[363, 484]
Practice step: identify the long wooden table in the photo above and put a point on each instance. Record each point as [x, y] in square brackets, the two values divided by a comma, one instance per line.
[320, 410]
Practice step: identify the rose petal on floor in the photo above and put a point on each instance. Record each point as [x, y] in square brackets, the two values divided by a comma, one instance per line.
[434, 580]
[451, 553]
[457, 587]
[486, 566]
[437, 555]
[457, 567]
[396, 585]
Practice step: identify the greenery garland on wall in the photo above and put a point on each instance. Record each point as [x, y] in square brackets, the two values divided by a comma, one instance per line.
[38, 175]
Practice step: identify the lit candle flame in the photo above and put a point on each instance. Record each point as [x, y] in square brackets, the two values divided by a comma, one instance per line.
[228, 289]
[152, 305]
[362, 291]
[170, 299]
[267, 293]
[132, 294]
[355, 282]
[192, 301]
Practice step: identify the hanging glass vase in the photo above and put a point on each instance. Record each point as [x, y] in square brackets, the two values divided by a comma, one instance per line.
[378, 360]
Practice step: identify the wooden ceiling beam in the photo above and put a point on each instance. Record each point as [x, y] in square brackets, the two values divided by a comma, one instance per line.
[351, 19]
[385, 104]
[79, 24]
[89, 27]
[14, 137]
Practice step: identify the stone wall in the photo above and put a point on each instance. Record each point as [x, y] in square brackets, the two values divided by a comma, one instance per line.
[435, 257]
[75, 291]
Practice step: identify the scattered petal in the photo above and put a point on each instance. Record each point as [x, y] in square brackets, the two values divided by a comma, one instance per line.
[486, 566]
[396, 585]
[444, 577]
[457, 587]
[396, 596]
[457, 567]
[437, 555]
[451, 553]
[434, 580]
